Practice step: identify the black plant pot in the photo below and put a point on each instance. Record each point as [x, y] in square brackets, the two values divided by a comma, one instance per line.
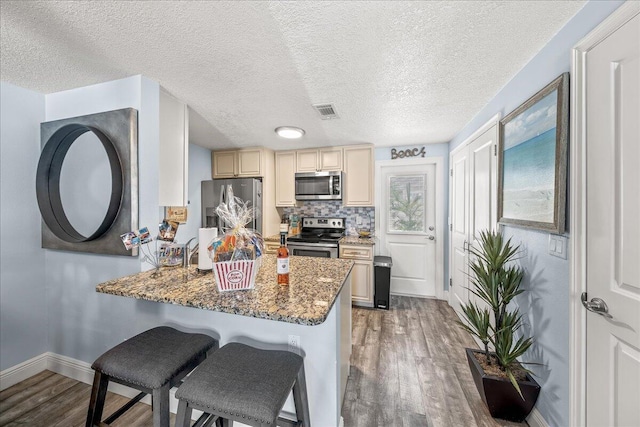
[500, 396]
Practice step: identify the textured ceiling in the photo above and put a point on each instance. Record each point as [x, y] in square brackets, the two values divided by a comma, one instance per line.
[398, 72]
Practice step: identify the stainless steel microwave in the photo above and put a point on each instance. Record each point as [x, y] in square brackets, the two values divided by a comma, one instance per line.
[319, 185]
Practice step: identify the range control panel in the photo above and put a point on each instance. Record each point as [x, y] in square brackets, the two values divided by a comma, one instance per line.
[323, 222]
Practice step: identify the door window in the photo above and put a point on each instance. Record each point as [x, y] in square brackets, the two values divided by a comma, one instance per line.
[407, 194]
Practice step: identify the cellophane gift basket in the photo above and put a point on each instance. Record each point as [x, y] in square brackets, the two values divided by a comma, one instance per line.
[236, 253]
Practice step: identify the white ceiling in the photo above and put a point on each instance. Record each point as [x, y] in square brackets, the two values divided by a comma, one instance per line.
[399, 73]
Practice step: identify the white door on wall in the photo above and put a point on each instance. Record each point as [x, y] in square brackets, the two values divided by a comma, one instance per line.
[408, 227]
[612, 228]
[473, 205]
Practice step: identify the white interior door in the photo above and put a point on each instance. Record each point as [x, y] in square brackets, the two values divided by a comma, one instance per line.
[459, 229]
[408, 225]
[613, 233]
[473, 205]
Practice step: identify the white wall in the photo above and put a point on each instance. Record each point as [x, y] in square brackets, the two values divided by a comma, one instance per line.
[546, 304]
[23, 305]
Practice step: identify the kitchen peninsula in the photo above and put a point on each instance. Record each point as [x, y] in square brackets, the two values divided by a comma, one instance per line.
[315, 307]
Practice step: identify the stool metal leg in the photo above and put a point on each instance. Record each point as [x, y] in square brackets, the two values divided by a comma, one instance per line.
[160, 400]
[98, 395]
[300, 398]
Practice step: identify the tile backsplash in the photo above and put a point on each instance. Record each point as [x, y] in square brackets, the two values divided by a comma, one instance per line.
[335, 209]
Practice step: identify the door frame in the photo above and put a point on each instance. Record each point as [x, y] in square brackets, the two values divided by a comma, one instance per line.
[439, 220]
[577, 207]
[493, 121]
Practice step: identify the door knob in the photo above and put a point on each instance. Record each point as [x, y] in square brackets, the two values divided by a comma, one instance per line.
[596, 305]
[431, 237]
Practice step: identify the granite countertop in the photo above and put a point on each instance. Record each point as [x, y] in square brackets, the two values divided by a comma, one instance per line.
[357, 240]
[314, 286]
[347, 240]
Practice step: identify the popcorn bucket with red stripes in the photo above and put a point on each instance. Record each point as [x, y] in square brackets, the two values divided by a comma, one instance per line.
[235, 275]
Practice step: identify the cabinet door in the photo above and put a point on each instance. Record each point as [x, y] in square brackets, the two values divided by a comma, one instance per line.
[306, 160]
[285, 178]
[224, 164]
[249, 163]
[173, 154]
[362, 285]
[330, 159]
[359, 175]
[271, 247]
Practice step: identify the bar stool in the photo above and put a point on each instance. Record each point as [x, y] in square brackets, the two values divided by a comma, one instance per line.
[244, 384]
[152, 362]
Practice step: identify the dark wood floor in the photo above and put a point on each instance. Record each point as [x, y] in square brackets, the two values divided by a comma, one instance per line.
[408, 369]
[52, 400]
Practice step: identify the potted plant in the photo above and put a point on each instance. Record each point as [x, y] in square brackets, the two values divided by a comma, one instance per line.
[506, 387]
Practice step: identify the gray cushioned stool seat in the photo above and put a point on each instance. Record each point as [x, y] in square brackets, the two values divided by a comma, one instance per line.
[153, 357]
[243, 381]
[152, 362]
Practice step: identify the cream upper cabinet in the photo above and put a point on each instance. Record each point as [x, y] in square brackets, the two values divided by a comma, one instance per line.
[306, 160]
[362, 273]
[330, 159]
[285, 178]
[359, 175]
[173, 153]
[224, 164]
[316, 160]
[249, 163]
[238, 163]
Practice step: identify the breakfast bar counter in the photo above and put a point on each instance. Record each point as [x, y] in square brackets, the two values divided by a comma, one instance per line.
[313, 289]
[313, 314]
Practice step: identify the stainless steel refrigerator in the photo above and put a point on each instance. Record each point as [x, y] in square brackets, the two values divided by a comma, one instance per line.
[216, 191]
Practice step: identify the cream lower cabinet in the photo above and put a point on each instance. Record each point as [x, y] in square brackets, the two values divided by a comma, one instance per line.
[362, 273]
[359, 175]
[271, 247]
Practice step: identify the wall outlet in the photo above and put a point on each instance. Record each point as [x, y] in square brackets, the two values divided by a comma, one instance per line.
[358, 220]
[294, 344]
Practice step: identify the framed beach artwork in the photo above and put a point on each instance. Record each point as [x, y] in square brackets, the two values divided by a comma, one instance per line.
[533, 160]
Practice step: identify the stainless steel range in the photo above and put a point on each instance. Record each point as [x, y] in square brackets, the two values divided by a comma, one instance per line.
[318, 237]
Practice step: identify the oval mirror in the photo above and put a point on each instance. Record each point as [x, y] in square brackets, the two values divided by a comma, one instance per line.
[85, 184]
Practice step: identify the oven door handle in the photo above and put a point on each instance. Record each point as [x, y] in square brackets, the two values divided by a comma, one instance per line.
[298, 245]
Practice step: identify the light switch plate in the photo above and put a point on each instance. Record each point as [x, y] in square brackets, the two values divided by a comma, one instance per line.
[558, 246]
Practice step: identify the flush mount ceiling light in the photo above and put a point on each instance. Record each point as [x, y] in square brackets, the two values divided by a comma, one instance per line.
[290, 132]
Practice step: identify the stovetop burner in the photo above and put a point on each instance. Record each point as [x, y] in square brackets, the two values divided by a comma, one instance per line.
[316, 230]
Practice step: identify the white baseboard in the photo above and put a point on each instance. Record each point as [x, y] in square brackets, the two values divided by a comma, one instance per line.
[445, 296]
[15, 374]
[535, 419]
[77, 370]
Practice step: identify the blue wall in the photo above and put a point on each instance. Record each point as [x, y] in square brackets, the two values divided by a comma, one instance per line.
[199, 170]
[23, 305]
[546, 305]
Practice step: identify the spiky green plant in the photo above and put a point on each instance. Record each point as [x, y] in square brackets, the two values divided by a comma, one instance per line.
[496, 283]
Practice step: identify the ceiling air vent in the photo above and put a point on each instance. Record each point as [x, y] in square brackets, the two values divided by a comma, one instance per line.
[326, 111]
